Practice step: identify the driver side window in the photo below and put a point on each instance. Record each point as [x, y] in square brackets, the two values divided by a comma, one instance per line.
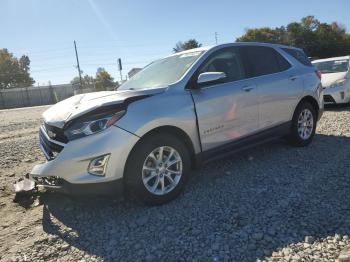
[227, 61]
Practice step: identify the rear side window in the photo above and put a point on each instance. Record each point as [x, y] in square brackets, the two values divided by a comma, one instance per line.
[263, 60]
[298, 55]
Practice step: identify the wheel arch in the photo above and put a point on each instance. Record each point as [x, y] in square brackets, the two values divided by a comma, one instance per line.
[311, 100]
[173, 130]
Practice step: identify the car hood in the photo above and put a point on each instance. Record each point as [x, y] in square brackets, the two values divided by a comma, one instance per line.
[62, 112]
[328, 79]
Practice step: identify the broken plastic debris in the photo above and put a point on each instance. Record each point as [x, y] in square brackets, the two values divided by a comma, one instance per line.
[24, 184]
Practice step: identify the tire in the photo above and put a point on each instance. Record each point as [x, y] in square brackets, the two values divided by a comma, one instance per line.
[298, 137]
[142, 166]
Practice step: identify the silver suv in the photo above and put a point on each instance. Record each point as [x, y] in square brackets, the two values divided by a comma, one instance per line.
[179, 112]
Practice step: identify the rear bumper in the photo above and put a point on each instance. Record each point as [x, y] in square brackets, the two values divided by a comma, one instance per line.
[69, 167]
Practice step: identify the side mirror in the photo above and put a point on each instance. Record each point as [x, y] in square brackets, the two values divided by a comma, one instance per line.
[210, 77]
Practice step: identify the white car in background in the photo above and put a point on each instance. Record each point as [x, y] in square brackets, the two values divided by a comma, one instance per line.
[335, 79]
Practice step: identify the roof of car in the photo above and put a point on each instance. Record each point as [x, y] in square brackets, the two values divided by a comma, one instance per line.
[262, 44]
[206, 48]
[331, 59]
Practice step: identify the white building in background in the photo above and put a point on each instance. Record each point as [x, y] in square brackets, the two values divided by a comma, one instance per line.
[134, 71]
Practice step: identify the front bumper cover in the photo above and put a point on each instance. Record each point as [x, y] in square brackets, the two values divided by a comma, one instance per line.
[339, 95]
[62, 186]
[29, 183]
[68, 169]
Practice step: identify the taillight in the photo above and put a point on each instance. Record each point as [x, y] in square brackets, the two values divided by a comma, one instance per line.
[319, 74]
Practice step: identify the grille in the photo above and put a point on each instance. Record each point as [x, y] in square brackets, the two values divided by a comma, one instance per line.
[59, 134]
[328, 99]
[49, 147]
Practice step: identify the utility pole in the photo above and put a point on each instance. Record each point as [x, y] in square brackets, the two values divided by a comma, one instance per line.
[120, 68]
[216, 38]
[78, 66]
[121, 76]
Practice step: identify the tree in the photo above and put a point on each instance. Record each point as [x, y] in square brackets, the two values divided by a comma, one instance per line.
[24, 65]
[264, 34]
[182, 46]
[87, 81]
[315, 38]
[14, 72]
[103, 79]
[333, 40]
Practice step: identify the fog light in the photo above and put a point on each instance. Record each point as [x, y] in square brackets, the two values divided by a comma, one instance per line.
[342, 95]
[98, 165]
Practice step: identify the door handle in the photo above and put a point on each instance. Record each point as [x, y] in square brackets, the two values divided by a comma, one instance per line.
[292, 78]
[247, 88]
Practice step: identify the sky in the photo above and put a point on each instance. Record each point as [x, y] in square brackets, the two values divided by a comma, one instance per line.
[138, 32]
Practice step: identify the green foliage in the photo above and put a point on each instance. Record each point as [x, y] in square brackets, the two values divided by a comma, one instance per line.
[87, 81]
[315, 38]
[182, 46]
[264, 34]
[14, 72]
[103, 79]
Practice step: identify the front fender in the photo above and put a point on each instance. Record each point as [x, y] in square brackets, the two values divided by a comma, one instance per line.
[171, 108]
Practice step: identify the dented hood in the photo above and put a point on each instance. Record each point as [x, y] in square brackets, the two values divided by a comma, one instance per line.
[78, 105]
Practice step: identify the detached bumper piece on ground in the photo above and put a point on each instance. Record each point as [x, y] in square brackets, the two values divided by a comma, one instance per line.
[24, 184]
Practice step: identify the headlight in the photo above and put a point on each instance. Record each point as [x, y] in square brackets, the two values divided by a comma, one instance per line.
[93, 125]
[339, 83]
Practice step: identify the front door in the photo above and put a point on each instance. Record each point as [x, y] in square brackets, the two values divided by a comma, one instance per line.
[227, 110]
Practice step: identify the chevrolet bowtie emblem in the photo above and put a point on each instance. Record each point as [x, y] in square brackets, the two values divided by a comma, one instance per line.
[51, 134]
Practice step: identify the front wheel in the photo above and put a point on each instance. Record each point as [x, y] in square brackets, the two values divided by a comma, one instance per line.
[303, 125]
[157, 169]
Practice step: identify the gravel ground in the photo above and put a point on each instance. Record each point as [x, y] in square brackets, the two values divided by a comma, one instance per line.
[271, 203]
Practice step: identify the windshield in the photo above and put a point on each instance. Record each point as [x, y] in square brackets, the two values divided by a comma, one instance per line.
[335, 66]
[162, 72]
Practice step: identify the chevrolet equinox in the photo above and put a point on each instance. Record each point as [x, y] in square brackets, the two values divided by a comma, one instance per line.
[178, 112]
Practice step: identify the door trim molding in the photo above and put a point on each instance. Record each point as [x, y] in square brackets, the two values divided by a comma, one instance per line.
[244, 143]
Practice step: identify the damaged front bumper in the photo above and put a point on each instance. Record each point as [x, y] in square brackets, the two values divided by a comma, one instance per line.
[56, 184]
[28, 183]
[67, 167]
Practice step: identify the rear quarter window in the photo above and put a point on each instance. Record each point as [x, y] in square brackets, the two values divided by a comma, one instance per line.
[298, 55]
[263, 60]
[282, 62]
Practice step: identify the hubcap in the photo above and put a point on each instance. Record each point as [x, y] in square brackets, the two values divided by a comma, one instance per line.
[162, 170]
[305, 124]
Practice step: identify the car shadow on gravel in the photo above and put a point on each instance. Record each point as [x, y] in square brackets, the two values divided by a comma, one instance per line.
[337, 107]
[240, 208]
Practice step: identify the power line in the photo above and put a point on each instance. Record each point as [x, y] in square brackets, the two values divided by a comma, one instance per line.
[112, 44]
[93, 56]
[69, 66]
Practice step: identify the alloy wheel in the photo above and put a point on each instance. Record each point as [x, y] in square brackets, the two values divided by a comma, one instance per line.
[162, 170]
[305, 124]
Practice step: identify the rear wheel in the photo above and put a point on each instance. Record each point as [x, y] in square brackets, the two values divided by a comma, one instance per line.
[303, 125]
[157, 169]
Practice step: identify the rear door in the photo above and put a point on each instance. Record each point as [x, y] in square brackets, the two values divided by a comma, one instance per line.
[279, 83]
[227, 110]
